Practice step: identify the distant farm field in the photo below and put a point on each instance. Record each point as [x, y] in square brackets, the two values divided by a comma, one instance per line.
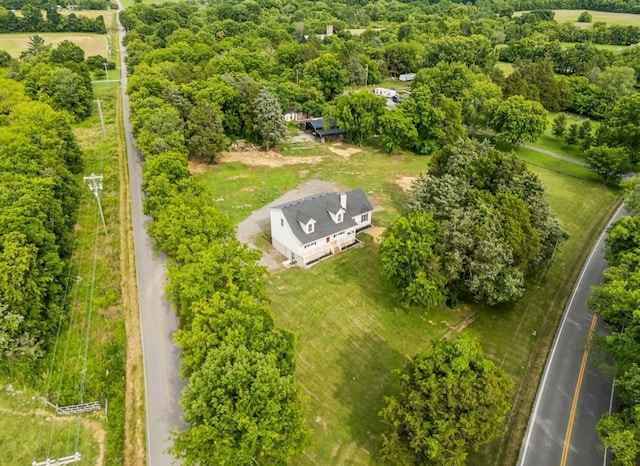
[623, 19]
[92, 44]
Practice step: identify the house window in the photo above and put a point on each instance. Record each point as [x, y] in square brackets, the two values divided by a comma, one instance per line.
[281, 222]
[310, 227]
[339, 217]
[364, 218]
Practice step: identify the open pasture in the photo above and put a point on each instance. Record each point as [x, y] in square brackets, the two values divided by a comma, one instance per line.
[92, 44]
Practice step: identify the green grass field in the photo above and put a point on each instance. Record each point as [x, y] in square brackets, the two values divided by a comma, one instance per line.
[92, 44]
[623, 19]
[352, 333]
[31, 434]
[507, 68]
[612, 48]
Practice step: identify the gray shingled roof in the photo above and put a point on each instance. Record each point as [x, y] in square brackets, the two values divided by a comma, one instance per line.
[317, 206]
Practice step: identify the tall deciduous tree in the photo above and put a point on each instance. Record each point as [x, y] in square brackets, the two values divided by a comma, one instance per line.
[452, 401]
[241, 410]
[410, 259]
[357, 114]
[608, 162]
[518, 120]
[396, 129]
[559, 125]
[621, 127]
[205, 134]
[327, 74]
[269, 120]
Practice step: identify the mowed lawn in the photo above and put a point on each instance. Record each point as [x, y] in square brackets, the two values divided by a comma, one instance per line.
[622, 19]
[92, 44]
[352, 331]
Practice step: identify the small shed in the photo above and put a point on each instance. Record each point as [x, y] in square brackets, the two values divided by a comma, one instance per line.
[315, 126]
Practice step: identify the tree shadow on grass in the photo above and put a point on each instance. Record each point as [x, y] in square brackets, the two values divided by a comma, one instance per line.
[367, 365]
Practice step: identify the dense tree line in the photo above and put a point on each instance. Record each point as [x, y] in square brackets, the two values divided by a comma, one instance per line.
[478, 225]
[241, 404]
[80, 4]
[39, 196]
[31, 19]
[617, 301]
[59, 77]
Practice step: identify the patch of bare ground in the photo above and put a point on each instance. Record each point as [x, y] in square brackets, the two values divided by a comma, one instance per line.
[134, 428]
[460, 327]
[258, 158]
[375, 233]
[405, 182]
[196, 166]
[344, 152]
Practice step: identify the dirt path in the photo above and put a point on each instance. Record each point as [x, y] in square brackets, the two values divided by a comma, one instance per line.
[258, 222]
[134, 431]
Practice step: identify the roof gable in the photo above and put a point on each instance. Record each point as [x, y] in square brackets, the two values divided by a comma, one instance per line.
[317, 207]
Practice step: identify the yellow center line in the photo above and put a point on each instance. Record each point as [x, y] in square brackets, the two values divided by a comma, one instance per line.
[576, 395]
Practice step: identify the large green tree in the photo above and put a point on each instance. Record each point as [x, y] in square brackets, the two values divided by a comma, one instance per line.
[327, 74]
[518, 120]
[358, 114]
[452, 401]
[410, 259]
[608, 162]
[241, 410]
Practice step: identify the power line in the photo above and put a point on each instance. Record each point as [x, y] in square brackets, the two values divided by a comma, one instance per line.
[104, 130]
[95, 186]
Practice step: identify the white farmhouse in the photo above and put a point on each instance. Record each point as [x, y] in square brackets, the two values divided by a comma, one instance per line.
[309, 229]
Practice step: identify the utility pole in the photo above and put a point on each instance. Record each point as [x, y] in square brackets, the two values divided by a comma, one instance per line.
[106, 73]
[297, 76]
[366, 74]
[95, 186]
[104, 131]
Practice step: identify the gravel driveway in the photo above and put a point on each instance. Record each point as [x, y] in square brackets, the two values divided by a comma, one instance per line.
[258, 221]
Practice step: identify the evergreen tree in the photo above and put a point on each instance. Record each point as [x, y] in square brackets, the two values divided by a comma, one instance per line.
[559, 125]
[269, 124]
[571, 137]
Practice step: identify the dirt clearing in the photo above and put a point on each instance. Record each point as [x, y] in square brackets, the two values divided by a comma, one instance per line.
[254, 158]
[375, 233]
[348, 152]
[405, 182]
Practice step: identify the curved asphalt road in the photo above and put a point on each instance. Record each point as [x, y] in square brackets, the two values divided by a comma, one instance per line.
[573, 394]
[157, 318]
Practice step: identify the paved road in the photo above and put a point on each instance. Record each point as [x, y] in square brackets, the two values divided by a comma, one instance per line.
[573, 394]
[157, 318]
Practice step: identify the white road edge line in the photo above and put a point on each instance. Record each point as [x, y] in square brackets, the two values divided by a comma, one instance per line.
[613, 388]
[543, 383]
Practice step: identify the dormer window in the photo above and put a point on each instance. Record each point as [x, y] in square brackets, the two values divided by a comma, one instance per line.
[310, 227]
[339, 217]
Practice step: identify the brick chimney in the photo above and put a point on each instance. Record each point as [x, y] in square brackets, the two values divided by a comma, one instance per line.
[343, 200]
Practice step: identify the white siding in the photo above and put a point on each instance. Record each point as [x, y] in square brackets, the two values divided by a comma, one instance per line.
[363, 220]
[282, 237]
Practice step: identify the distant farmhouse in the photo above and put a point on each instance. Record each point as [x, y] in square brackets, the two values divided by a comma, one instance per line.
[315, 126]
[314, 227]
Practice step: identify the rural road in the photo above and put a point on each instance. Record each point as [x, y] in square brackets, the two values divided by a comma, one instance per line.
[157, 318]
[573, 393]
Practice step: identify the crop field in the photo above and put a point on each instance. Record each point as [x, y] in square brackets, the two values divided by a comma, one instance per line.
[622, 19]
[353, 332]
[92, 44]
